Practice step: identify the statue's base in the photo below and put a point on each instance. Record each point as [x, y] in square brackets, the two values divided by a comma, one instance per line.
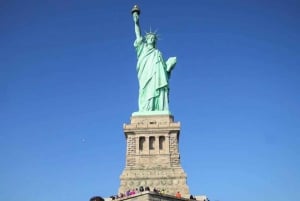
[146, 113]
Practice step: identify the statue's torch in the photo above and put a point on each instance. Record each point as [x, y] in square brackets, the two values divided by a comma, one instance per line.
[136, 10]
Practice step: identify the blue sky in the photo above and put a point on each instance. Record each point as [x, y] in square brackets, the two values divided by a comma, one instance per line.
[68, 83]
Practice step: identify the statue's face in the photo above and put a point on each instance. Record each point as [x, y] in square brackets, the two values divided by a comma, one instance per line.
[151, 39]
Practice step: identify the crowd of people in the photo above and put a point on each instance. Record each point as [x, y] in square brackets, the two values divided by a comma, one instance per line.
[141, 189]
[130, 192]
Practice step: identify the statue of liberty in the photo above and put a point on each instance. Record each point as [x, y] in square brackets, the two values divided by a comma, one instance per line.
[153, 72]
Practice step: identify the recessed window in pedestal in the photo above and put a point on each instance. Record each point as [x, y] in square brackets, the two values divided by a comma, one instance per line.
[141, 143]
[151, 143]
[161, 142]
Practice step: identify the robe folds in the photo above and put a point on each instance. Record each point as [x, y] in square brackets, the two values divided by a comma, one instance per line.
[153, 78]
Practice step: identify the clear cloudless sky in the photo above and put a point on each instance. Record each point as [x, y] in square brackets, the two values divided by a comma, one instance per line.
[68, 83]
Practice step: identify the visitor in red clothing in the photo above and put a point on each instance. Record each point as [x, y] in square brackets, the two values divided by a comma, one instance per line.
[178, 195]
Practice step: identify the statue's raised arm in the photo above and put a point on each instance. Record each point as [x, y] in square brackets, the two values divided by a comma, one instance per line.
[135, 14]
[153, 71]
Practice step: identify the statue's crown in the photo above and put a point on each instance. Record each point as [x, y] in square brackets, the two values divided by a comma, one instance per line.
[152, 34]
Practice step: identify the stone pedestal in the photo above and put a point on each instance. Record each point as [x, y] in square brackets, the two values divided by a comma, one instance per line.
[152, 156]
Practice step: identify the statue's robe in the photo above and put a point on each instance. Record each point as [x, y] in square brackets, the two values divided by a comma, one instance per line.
[153, 78]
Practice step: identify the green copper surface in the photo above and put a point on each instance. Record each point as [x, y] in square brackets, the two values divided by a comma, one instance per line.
[153, 72]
